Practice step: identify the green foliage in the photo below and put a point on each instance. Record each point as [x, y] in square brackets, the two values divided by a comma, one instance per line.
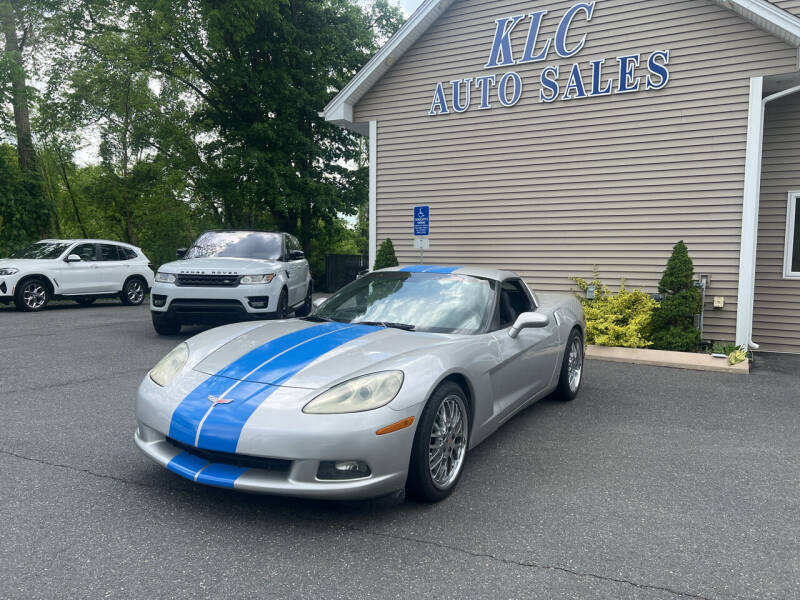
[723, 348]
[623, 319]
[386, 257]
[673, 321]
[24, 210]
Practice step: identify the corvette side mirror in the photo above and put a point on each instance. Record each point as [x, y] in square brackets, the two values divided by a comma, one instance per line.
[317, 302]
[72, 258]
[528, 320]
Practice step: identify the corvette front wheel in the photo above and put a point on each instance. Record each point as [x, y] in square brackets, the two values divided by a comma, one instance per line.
[440, 445]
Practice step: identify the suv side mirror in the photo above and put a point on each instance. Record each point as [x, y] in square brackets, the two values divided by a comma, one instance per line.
[296, 255]
[181, 252]
[529, 320]
[73, 258]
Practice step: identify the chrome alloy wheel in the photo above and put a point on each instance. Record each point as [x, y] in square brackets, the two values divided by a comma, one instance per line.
[135, 292]
[34, 295]
[448, 443]
[575, 364]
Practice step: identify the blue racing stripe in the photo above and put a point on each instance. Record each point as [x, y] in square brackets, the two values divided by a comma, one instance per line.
[429, 269]
[188, 414]
[220, 475]
[223, 427]
[186, 465]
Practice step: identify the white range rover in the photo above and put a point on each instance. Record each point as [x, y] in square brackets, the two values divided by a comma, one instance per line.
[80, 270]
[231, 276]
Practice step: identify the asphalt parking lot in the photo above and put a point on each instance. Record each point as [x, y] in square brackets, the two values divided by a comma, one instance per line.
[654, 483]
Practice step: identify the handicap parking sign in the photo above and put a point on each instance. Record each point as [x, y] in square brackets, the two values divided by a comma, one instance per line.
[422, 220]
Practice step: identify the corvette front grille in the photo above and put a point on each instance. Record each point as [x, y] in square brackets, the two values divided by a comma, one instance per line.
[186, 280]
[237, 460]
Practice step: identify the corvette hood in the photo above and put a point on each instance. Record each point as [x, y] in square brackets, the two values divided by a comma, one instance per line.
[225, 266]
[303, 354]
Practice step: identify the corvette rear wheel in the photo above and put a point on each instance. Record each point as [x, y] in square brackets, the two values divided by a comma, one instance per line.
[440, 445]
[569, 383]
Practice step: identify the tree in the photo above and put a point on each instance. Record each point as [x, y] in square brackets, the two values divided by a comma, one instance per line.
[673, 320]
[386, 257]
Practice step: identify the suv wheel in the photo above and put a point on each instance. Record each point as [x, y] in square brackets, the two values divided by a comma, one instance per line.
[305, 310]
[133, 292]
[282, 312]
[165, 325]
[32, 295]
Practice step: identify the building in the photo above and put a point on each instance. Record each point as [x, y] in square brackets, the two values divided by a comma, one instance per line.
[552, 136]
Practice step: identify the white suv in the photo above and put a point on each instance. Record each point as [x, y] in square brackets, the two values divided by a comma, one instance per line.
[232, 276]
[80, 270]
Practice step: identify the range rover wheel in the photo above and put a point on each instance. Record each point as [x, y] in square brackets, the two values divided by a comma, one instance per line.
[133, 292]
[165, 325]
[32, 295]
[282, 312]
[305, 310]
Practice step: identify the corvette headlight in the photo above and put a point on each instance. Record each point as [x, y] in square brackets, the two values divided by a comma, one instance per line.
[251, 279]
[169, 366]
[165, 277]
[8, 271]
[357, 395]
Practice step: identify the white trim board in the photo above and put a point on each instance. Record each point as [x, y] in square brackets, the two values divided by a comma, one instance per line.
[789, 240]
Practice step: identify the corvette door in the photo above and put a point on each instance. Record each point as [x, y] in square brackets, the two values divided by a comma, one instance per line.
[526, 362]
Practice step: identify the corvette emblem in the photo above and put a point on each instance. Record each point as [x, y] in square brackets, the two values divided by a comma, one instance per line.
[215, 400]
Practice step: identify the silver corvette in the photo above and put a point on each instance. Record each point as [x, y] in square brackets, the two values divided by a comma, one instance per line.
[387, 385]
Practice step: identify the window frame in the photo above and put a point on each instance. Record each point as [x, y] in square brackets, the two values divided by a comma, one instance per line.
[789, 240]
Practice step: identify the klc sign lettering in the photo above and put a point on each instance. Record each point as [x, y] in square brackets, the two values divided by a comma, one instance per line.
[630, 73]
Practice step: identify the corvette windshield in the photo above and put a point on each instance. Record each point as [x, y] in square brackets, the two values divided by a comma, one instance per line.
[42, 250]
[420, 301]
[237, 244]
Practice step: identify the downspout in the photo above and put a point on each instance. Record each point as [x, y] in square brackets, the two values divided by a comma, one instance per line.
[752, 196]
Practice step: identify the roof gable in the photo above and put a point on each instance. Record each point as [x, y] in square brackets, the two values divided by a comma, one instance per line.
[765, 15]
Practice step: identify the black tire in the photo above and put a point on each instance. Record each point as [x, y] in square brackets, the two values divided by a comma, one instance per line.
[282, 310]
[567, 390]
[32, 295]
[85, 301]
[165, 325]
[305, 310]
[420, 484]
[133, 292]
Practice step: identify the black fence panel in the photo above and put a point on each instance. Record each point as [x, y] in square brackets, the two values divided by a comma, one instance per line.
[341, 269]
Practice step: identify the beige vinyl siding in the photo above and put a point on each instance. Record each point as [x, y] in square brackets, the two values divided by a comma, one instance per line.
[790, 6]
[549, 190]
[776, 320]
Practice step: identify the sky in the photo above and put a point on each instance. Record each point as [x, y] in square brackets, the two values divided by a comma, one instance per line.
[409, 6]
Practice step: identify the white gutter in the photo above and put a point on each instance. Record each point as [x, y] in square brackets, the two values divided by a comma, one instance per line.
[752, 196]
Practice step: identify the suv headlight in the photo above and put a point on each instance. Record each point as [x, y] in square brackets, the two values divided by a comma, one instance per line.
[169, 366]
[8, 271]
[165, 277]
[357, 395]
[252, 279]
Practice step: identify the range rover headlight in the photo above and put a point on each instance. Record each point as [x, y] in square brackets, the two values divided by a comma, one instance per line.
[9, 271]
[253, 279]
[357, 395]
[165, 277]
[168, 367]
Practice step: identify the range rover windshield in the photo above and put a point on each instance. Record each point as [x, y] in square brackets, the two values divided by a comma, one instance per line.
[426, 302]
[237, 244]
[42, 250]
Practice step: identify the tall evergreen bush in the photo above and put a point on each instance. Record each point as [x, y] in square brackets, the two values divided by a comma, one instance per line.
[673, 320]
[386, 256]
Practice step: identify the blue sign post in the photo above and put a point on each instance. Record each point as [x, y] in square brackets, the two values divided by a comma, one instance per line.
[422, 229]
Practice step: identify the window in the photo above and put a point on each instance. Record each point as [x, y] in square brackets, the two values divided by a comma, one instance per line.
[108, 252]
[514, 301]
[791, 258]
[87, 252]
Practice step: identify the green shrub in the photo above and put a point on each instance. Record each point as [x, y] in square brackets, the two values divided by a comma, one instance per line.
[386, 256]
[623, 319]
[673, 320]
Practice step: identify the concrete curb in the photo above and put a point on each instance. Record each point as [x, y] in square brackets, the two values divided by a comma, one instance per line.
[662, 358]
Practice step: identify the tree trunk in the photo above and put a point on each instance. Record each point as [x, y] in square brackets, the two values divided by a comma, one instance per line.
[65, 178]
[19, 90]
[131, 239]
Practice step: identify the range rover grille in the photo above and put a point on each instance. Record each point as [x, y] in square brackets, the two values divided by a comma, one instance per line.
[186, 280]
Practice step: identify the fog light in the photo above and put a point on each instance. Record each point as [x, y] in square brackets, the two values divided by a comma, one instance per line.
[159, 300]
[342, 470]
[258, 301]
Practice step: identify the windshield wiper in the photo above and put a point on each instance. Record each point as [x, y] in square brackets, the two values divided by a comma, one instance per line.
[402, 326]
